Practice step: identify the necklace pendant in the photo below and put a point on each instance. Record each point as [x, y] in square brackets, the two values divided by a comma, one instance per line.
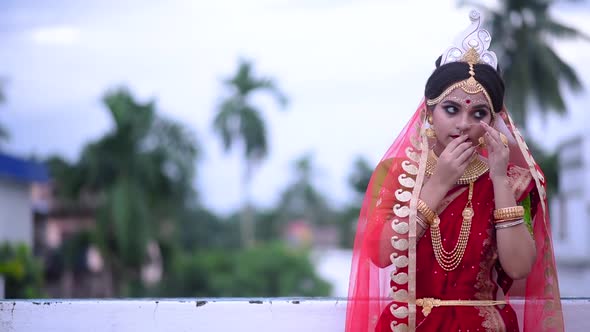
[468, 213]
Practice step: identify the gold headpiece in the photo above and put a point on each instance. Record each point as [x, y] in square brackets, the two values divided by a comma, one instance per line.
[471, 46]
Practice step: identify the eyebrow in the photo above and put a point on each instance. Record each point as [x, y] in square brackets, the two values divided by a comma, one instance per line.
[452, 103]
[481, 106]
[472, 107]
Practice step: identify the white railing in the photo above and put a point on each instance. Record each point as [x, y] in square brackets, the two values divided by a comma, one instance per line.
[222, 314]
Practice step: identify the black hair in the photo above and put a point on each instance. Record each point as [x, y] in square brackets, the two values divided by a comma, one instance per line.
[451, 73]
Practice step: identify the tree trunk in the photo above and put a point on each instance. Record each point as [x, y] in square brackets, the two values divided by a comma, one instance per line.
[247, 217]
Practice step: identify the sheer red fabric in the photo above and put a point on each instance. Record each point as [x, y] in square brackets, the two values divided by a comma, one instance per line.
[391, 269]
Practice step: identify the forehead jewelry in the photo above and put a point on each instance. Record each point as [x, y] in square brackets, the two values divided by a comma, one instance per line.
[470, 46]
[467, 101]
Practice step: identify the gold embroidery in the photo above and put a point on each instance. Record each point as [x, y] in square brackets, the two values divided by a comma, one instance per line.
[401, 211]
[492, 321]
[409, 168]
[399, 261]
[399, 227]
[398, 311]
[413, 155]
[395, 327]
[399, 244]
[406, 224]
[406, 181]
[518, 179]
[403, 196]
[399, 296]
[399, 278]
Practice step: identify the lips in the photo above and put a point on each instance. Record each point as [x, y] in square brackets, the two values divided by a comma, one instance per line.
[455, 136]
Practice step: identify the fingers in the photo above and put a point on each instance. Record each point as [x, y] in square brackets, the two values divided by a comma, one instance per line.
[466, 155]
[491, 131]
[456, 142]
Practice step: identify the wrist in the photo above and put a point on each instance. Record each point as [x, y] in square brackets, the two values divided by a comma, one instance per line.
[499, 179]
[441, 182]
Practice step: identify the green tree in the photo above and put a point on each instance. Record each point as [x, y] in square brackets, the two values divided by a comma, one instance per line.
[358, 181]
[522, 36]
[22, 272]
[199, 229]
[239, 122]
[138, 178]
[270, 270]
[302, 199]
[360, 175]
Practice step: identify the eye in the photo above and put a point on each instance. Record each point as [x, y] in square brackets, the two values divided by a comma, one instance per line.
[480, 114]
[450, 109]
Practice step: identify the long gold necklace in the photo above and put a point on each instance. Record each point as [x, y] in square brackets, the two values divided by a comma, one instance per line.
[450, 260]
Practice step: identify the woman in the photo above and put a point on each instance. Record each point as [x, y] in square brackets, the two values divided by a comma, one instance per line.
[455, 218]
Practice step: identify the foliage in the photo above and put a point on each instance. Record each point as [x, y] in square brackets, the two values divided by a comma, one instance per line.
[200, 229]
[302, 199]
[523, 33]
[270, 270]
[138, 177]
[549, 163]
[360, 176]
[239, 121]
[21, 270]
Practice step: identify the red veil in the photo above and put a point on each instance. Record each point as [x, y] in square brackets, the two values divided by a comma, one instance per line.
[384, 257]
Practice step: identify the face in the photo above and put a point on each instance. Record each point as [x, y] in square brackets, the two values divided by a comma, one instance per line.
[460, 113]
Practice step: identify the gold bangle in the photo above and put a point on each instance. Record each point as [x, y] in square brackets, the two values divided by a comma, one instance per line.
[426, 211]
[510, 224]
[500, 221]
[509, 212]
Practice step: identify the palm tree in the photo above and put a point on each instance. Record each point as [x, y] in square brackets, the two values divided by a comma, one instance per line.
[239, 122]
[137, 177]
[522, 33]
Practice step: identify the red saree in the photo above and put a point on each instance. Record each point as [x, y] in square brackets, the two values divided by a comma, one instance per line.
[391, 268]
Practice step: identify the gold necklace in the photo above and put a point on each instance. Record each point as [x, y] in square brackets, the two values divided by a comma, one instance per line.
[475, 169]
[449, 260]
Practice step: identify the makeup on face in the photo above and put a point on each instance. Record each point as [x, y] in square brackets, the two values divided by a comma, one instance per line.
[458, 113]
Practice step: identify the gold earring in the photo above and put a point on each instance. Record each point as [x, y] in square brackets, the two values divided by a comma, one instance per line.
[430, 132]
[482, 142]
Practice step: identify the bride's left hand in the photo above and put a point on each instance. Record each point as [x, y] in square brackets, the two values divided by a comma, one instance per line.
[498, 152]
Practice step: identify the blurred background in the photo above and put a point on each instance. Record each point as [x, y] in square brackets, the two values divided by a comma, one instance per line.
[221, 148]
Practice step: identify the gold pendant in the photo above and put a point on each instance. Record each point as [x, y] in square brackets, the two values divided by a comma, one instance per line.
[468, 214]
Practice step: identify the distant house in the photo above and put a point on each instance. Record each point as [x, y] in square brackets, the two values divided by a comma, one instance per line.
[570, 208]
[16, 206]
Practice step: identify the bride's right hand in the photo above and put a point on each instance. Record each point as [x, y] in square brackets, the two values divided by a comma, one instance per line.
[453, 161]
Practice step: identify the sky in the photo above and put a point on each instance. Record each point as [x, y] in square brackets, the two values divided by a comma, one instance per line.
[354, 72]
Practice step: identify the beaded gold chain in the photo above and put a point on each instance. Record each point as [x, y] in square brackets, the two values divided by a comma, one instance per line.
[449, 260]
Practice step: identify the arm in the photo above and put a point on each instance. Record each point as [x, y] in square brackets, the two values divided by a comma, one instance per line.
[516, 248]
